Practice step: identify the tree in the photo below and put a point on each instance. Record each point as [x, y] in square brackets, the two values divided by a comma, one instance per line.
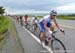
[2, 11]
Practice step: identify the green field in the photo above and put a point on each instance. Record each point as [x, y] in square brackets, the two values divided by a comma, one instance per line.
[63, 17]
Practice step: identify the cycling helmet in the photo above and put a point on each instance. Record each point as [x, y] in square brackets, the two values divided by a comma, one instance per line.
[26, 15]
[53, 12]
[36, 17]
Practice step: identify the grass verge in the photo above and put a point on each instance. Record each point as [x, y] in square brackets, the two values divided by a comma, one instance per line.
[4, 22]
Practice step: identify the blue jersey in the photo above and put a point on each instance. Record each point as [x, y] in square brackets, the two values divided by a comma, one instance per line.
[46, 18]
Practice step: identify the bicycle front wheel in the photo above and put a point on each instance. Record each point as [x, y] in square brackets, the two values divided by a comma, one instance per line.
[57, 46]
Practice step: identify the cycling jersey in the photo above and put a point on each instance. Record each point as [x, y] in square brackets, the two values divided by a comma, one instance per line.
[34, 20]
[26, 18]
[48, 20]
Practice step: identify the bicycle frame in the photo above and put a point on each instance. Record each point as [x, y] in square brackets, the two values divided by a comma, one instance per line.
[35, 26]
[54, 39]
[52, 36]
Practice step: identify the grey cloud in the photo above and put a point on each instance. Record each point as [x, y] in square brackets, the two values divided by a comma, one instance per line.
[39, 5]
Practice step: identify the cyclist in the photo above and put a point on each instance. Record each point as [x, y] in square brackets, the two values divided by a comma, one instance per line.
[17, 18]
[34, 21]
[46, 25]
[21, 21]
[26, 19]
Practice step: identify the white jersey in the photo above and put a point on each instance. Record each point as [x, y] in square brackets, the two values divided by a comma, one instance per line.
[46, 18]
[34, 20]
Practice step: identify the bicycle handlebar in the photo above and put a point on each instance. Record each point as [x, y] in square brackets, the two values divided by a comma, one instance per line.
[58, 31]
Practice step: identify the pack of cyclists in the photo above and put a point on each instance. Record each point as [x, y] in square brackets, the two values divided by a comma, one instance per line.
[45, 24]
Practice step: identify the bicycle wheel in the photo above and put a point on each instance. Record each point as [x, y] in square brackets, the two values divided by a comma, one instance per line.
[57, 46]
[38, 31]
[21, 24]
[35, 29]
[25, 25]
[39, 36]
[28, 26]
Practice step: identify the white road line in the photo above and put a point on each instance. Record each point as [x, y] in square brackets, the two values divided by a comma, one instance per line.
[48, 48]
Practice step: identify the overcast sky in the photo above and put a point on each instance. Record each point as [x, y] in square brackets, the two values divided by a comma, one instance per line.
[38, 6]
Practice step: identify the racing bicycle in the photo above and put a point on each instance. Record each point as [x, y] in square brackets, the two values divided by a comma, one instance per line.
[56, 45]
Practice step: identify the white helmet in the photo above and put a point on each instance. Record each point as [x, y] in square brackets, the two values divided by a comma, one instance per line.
[53, 12]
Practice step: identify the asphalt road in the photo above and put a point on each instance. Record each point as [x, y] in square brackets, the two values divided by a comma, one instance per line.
[67, 22]
[69, 37]
[30, 45]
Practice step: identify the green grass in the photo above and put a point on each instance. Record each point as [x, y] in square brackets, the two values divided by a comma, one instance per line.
[40, 16]
[4, 22]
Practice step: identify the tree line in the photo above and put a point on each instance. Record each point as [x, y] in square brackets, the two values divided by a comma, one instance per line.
[2, 10]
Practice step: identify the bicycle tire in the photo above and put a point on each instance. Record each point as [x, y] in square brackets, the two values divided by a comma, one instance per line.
[40, 36]
[21, 24]
[55, 39]
[28, 26]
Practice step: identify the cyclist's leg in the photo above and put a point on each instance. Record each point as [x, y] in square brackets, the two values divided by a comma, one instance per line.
[43, 32]
[25, 22]
[43, 36]
[33, 25]
[21, 22]
[36, 27]
[48, 34]
[52, 27]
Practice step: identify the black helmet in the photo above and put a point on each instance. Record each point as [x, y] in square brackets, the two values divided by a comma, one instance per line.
[26, 15]
[36, 17]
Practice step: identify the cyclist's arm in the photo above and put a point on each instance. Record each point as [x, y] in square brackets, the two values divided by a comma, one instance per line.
[56, 23]
[45, 25]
